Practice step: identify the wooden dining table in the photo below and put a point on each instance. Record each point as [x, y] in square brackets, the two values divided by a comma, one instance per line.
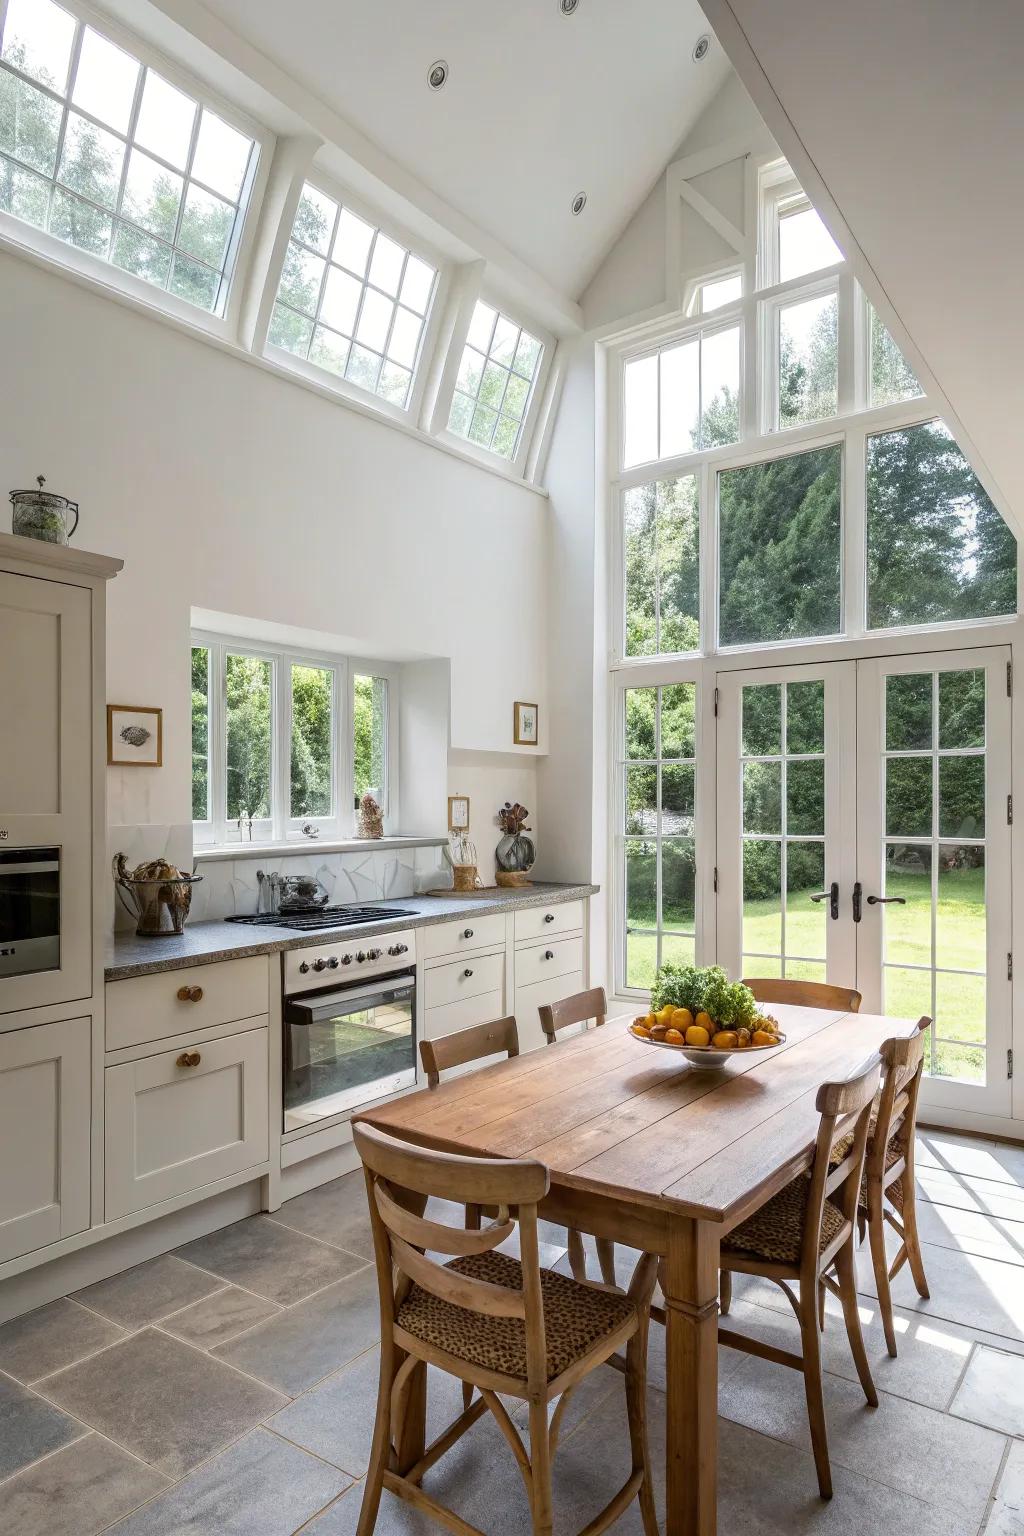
[661, 1156]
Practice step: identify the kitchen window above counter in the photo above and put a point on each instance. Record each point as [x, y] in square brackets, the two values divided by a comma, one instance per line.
[285, 744]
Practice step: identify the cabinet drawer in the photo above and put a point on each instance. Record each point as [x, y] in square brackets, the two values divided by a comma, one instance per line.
[539, 922]
[467, 933]
[529, 999]
[463, 978]
[546, 962]
[172, 1128]
[451, 1017]
[143, 1008]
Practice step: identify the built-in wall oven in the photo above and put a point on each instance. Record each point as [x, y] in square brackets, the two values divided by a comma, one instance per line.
[349, 1022]
[29, 910]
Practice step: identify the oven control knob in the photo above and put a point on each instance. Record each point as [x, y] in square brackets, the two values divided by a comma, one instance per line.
[320, 964]
[395, 949]
[374, 954]
[333, 962]
[360, 957]
[304, 968]
[346, 959]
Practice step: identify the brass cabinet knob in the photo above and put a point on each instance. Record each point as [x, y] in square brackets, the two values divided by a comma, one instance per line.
[190, 994]
[189, 1059]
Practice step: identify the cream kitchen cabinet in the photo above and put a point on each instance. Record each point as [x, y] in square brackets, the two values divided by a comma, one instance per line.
[186, 1116]
[550, 962]
[45, 1119]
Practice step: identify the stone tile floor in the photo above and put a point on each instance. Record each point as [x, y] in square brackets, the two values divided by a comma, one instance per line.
[229, 1388]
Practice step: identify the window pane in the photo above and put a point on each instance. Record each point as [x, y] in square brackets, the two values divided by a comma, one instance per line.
[151, 195]
[805, 717]
[105, 81]
[892, 378]
[37, 39]
[136, 253]
[248, 699]
[677, 883]
[290, 331]
[222, 155]
[937, 548]
[962, 709]
[908, 712]
[907, 929]
[719, 292]
[24, 194]
[641, 712]
[640, 561]
[29, 124]
[370, 733]
[962, 796]
[908, 797]
[720, 388]
[780, 549]
[91, 161]
[488, 377]
[805, 245]
[805, 919]
[662, 580]
[641, 800]
[762, 898]
[680, 398]
[312, 737]
[808, 361]
[678, 720]
[762, 719]
[805, 798]
[677, 799]
[960, 913]
[762, 797]
[640, 411]
[641, 879]
[166, 119]
[200, 733]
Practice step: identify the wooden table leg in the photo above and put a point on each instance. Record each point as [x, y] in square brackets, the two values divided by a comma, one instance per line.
[690, 1283]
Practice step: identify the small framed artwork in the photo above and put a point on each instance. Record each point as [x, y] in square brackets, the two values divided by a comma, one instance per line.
[525, 733]
[135, 736]
[458, 813]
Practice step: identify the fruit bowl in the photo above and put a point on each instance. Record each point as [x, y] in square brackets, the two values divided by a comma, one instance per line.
[702, 1042]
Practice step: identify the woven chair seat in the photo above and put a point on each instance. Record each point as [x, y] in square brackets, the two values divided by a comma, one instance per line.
[576, 1318]
[776, 1231]
[893, 1153]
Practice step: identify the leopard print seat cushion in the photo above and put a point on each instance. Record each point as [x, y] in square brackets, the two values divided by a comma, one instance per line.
[893, 1153]
[576, 1317]
[776, 1231]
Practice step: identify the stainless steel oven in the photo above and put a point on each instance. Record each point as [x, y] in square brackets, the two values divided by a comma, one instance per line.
[349, 1027]
[29, 910]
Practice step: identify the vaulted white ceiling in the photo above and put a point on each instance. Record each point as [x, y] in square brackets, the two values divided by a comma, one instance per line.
[906, 125]
[538, 106]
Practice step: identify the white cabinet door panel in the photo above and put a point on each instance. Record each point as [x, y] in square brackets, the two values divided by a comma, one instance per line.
[45, 1111]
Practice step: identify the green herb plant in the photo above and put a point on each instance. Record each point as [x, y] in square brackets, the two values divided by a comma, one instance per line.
[704, 989]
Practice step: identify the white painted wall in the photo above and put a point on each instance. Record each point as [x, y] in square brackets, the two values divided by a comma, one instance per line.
[905, 124]
[225, 487]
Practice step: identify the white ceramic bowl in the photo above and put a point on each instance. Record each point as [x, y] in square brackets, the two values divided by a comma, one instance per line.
[707, 1057]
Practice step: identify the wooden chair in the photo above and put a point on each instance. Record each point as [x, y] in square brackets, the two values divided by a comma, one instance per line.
[803, 1232]
[498, 1324]
[468, 1045]
[806, 994]
[889, 1173]
[580, 1008]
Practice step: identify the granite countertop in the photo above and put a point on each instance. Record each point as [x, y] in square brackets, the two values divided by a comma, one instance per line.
[129, 955]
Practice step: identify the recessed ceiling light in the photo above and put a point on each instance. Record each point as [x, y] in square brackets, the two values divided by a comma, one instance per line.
[567, 7]
[437, 74]
[701, 48]
[579, 202]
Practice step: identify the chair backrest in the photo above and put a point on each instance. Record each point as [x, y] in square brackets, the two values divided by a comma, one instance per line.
[807, 994]
[400, 1178]
[578, 1009]
[467, 1045]
[843, 1107]
[902, 1069]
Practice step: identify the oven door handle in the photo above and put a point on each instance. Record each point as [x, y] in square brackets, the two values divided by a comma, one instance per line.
[301, 1010]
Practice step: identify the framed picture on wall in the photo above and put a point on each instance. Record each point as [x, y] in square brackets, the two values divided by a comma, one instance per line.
[458, 813]
[135, 736]
[526, 730]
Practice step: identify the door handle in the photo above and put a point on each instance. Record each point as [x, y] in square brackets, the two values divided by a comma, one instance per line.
[887, 901]
[832, 897]
[858, 892]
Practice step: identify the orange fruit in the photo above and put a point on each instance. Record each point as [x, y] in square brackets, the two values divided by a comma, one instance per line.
[762, 1037]
[673, 1037]
[682, 1018]
[649, 1020]
[640, 1028]
[705, 1021]
[697, 1034]
[664, 1015]
[726, 1040]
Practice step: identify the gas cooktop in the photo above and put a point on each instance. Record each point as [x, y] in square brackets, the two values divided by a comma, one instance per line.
[304, 918]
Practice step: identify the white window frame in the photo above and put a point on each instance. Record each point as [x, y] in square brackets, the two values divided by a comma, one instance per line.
[770, 349]
[432, 320]
[725, 319]
[517, 465]
[693, 291]
[855, 422]
[19, 234]
[281, 828]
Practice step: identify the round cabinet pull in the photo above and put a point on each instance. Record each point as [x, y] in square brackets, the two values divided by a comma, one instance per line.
[467, 972]
[549, 954]
[189, 1059]
[549, 917]
[467, 933]
[190, 994]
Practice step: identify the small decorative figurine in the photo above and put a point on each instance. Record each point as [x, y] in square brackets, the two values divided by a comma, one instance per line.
[371, 817]
[515, 853]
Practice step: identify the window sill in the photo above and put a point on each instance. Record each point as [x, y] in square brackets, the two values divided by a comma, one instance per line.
[225, 852]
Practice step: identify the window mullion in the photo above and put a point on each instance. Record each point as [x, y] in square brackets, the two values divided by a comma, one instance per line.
[280, 755]
[218, 743]
[847, 329]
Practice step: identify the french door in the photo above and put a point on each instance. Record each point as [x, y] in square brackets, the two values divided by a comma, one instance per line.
[863, 839]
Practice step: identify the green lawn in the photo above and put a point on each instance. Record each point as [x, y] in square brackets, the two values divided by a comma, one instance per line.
[959, 942]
